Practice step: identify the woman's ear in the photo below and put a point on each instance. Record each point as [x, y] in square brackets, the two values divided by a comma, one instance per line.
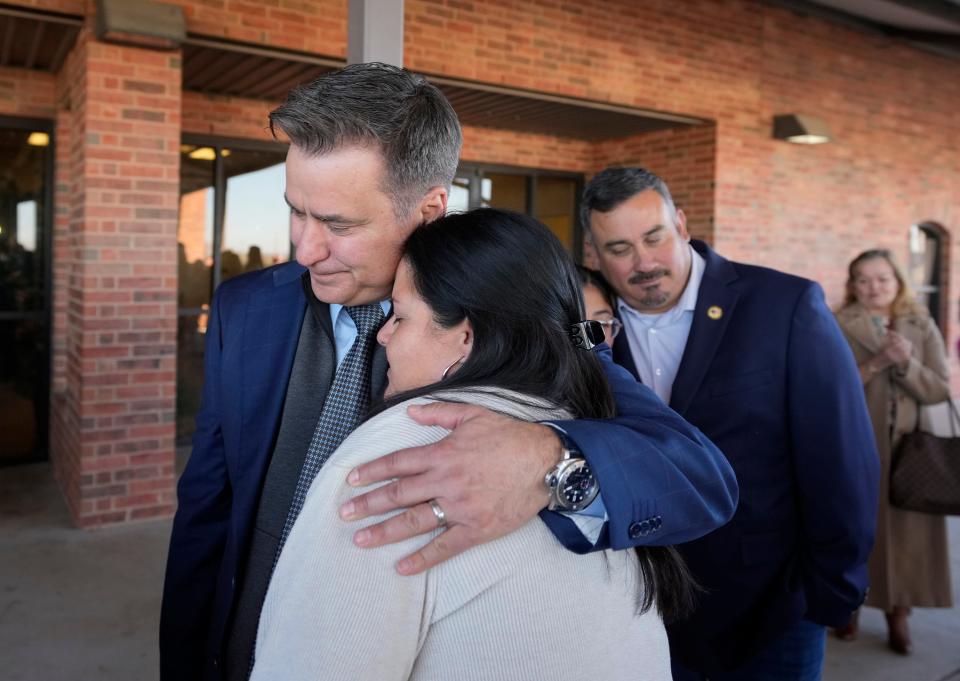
[465, 338]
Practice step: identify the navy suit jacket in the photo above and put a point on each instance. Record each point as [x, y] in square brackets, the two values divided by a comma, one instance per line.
[661, 480]
[768, 377]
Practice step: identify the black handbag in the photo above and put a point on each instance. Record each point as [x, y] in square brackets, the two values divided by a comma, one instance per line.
[925, 471]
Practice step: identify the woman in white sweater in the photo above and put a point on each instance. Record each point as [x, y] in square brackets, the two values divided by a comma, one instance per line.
[483, 306]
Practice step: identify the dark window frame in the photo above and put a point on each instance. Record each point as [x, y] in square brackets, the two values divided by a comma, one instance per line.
[937, 294]
[45, 242]
[476, 171]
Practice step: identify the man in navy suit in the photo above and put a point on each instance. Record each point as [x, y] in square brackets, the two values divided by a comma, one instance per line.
[373, 152]
[753, 358]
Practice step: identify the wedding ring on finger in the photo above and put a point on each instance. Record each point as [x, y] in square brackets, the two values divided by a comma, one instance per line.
[438, 513]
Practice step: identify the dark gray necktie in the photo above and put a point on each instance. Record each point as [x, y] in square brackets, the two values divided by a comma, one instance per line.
[346, 402]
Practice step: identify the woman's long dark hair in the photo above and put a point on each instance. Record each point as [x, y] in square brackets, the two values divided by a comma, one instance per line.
[512, 279]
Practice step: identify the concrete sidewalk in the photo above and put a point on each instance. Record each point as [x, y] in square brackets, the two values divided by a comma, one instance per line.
[74, 605]
[936, 641]
[84, 606]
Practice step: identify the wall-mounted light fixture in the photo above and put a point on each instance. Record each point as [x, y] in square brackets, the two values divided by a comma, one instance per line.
[143, 23]
[800, 129]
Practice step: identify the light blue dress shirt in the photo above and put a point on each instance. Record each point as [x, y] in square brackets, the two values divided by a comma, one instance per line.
[657, 341]
[344, 328]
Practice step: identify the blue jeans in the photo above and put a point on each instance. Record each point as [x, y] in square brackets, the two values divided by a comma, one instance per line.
[796, 656]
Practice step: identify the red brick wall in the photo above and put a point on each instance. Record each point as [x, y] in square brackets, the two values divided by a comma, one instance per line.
[732, 62]
[896, 155]
[895, 159]
[643, 54]
[226, 116]
[317, 26]
[684, 158]
[113, 424]
[26, 93]
[65, 447]
[488, 145]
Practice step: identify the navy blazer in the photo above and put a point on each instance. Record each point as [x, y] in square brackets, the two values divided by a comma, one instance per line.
[768, 377]
[661, 480]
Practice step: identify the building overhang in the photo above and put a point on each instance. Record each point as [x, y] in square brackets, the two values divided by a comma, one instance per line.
[220, 67]
[39, 40]
[930, 25]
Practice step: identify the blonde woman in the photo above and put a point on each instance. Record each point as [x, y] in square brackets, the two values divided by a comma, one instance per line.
[903, 365]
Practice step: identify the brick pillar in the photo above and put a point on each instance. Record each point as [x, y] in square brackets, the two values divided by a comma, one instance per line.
[115, 283]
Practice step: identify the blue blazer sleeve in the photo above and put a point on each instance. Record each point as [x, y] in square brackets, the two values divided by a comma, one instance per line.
[662, 481]
[199, 530]
[835, 460]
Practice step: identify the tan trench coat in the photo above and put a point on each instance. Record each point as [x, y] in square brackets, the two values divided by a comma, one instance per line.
[909, 564]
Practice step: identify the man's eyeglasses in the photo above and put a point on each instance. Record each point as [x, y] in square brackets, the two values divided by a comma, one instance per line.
[614, 324]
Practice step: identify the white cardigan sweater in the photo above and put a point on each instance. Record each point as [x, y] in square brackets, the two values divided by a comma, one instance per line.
[521, 607]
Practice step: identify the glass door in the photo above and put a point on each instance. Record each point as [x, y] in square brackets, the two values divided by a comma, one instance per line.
[233, 220]
[26, 166]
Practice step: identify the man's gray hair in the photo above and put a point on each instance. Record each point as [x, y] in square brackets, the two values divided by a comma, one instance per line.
[611, 187]
[387, 107]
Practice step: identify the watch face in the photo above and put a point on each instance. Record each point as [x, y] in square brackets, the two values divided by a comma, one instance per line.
[577, 486]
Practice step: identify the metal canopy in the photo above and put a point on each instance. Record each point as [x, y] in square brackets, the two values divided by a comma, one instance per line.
[932, 25]
[226, 68]
[36, 40]
[505, 108]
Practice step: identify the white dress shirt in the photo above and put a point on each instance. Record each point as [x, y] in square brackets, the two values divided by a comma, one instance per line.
[657, 341]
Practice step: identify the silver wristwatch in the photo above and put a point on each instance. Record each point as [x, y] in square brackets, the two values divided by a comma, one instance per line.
[572, 484]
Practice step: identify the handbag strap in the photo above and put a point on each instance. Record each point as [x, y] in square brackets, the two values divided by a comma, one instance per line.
[954, 417]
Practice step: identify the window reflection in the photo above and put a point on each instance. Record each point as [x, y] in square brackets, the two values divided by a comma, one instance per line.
[549, 196]
[22, 171]
[27, 225]
[189, 371]
[256, 230]
[195, 230]
[459, 201]
[556, 201]
[24, 331]
[23, 352]
[501, 190]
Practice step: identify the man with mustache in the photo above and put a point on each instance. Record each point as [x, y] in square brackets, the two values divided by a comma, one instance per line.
[753, 358]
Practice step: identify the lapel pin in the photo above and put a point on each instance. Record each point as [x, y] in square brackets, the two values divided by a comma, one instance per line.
[714, 312]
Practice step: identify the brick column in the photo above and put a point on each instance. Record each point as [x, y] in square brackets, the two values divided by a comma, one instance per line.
[115, 284]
